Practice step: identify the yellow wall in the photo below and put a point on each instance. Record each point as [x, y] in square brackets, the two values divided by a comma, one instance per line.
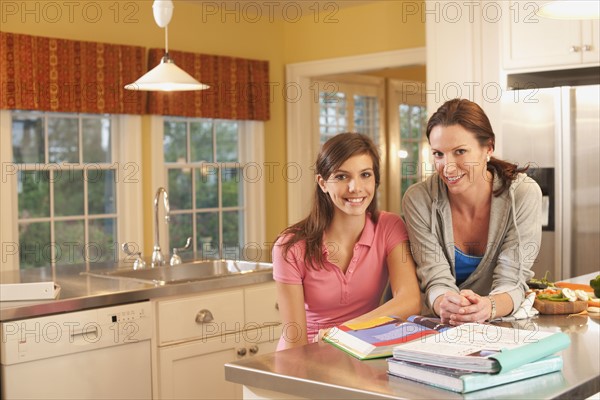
[277, 34]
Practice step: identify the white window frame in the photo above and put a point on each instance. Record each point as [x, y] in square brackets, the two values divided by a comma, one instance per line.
[251, 149]
[126, 138]
[300, 146]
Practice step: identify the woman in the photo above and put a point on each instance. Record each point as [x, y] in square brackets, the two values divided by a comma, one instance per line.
[333, 266]
[475, 224]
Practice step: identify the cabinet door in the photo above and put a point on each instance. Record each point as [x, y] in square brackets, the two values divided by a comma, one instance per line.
[532, 41]
[202, 316]
[261, 308]
[195, 370]
[591, 36]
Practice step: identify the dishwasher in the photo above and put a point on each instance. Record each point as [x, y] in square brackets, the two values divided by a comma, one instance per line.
[102, 353]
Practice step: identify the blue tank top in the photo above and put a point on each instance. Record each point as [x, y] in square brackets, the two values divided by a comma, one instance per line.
[465, 264]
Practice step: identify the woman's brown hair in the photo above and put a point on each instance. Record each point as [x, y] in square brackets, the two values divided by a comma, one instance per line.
[333, 154]
[472, 117]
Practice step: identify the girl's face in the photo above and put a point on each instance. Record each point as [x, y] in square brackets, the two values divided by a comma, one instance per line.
[459, 158]
[352, 186]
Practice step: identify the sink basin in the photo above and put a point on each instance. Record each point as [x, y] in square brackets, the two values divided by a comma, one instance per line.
[188, 272]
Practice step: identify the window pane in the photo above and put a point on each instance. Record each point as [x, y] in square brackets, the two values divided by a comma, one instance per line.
[68, 192]
[404, 121]
[28, 138]
[412, 152]
[232, 222]
[175, 143]
[227, 141]
[63, 140]
[231, 186]
[96, 140]
[180, 228]
[101, 191]
[201, 141]
[207, 195]
[33, 194]
[103, 243]
[70, 246]
[207, 227]
[180, 189]
[34, 244]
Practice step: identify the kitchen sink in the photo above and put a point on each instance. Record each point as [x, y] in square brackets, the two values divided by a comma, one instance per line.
[187, 272]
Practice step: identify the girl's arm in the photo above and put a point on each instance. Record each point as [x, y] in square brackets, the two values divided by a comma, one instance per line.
[290, 300]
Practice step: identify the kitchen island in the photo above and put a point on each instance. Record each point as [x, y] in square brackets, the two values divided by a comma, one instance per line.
[321, 371]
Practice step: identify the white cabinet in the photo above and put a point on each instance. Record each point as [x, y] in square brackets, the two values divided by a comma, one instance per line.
[533, 42]
[198, 334]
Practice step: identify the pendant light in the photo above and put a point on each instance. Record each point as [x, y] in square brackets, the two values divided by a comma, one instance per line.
[166, 76]
[570, 9]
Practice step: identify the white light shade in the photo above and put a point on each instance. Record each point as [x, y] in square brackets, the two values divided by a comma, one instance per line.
[166, 77]
[570, 9]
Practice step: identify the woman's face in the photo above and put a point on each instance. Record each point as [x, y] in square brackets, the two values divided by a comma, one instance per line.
[352, 186]
[459, 158]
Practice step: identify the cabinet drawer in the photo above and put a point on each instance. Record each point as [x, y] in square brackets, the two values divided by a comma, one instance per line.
[261, 306]
[200, 317]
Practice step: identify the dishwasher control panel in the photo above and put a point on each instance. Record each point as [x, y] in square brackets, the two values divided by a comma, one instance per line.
[53, 335]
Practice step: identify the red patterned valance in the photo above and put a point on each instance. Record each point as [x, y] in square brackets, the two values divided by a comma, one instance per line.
[239, 88]
[39, 73]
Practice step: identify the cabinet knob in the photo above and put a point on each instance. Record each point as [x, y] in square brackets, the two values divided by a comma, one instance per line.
[587, 47]
[575, 49]
[204, 316]
[253, 349]
[277, 306]
[241, 352]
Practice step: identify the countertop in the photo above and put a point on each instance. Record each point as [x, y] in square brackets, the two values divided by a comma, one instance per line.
[80, 291]
[321, 371]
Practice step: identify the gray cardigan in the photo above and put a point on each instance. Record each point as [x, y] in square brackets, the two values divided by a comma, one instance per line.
[513, 243]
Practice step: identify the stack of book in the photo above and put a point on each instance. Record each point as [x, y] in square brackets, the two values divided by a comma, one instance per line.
[463, 359]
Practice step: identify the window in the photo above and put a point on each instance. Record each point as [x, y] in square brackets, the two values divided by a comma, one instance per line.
[71, 188]
[409, 150]
[214, 182]
[413, 122]
[350, 106]
[66, 188]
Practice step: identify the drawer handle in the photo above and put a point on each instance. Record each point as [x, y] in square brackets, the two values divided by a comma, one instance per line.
[204, 316]
[277, 306]
[253, 349]
[241, 352]
[575, 49]
[587, 47]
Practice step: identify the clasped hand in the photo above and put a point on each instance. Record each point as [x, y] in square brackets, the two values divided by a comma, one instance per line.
[463, 307]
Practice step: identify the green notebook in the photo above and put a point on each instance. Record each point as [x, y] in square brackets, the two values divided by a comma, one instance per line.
[464, 381]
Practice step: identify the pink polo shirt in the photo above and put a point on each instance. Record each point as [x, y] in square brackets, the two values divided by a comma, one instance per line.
[332, 297]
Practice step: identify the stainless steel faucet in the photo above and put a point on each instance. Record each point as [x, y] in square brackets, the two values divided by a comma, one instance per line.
[157, 256]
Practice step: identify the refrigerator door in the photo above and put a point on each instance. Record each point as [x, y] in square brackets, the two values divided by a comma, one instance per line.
[581, 217]
[531, 130]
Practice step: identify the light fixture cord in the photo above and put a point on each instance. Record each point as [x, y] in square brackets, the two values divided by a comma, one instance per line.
[167, 39]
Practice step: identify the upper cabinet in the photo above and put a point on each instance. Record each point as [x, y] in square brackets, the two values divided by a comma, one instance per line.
[533, 42]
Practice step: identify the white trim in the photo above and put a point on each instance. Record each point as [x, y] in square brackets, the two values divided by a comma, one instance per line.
[9, 230]
[129, 186]
[159, 176]
[300, 145]
[253, 151]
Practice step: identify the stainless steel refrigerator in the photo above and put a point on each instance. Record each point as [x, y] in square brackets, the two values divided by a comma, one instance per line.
[557, 130]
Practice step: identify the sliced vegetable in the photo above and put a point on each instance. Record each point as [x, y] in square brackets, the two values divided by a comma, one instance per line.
[574, 286]
[581, 295]
[552, 297]
[594, 310]
[569, 294]
[594, 303]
